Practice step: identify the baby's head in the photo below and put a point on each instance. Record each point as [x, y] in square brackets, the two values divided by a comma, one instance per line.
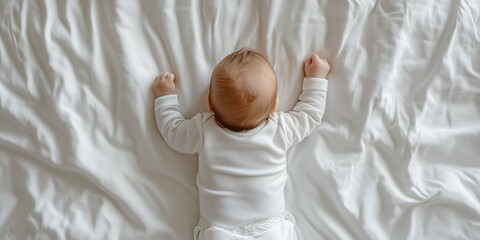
[243, 90]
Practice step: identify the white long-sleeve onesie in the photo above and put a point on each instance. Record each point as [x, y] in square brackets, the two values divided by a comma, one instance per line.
[241, 175]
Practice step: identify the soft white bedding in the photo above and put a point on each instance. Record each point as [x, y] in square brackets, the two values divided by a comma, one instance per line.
[397, 157]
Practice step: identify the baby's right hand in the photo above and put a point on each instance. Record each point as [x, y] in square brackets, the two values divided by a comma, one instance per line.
[164, 84]
[316, 67]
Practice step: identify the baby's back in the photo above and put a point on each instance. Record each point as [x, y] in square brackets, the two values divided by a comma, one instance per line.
[241, 176]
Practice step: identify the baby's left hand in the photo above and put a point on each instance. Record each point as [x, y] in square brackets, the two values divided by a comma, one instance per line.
[316, 67]
[164, 84]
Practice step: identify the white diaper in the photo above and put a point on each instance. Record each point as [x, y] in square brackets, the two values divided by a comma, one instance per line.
[280, 227]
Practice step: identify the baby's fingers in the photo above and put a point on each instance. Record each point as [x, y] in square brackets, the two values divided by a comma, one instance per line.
[170, 77]
[310, 60]
[165, 77]
[159, 78]
[325, 61]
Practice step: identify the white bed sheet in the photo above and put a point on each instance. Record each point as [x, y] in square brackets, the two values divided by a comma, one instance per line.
[397, 157]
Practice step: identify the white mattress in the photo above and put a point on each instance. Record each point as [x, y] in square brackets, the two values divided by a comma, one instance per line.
[397, 156]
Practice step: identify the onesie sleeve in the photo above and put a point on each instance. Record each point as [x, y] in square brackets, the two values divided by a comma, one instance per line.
[183, 135]
[307, 113]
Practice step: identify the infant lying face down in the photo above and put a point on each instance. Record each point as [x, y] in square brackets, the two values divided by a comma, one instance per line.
[242, 143]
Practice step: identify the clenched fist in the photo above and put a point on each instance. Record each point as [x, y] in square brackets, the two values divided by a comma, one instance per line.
[316, 67]
[164, 84]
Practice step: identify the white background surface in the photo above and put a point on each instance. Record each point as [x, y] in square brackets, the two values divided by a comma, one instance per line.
[398, 155]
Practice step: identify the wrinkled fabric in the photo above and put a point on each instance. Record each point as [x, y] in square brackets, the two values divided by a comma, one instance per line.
[396, 157]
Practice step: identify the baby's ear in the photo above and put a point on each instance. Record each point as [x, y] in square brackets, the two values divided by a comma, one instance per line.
[275, 106]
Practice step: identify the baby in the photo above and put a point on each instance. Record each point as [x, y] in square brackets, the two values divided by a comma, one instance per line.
[242, 143]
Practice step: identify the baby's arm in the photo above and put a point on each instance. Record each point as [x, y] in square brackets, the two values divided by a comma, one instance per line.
[183, 135]
[308, 112]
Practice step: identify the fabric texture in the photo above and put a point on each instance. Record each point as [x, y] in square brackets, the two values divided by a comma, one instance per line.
[396, 156]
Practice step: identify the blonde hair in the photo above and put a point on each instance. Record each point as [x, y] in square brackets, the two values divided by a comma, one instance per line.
[243, 90]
